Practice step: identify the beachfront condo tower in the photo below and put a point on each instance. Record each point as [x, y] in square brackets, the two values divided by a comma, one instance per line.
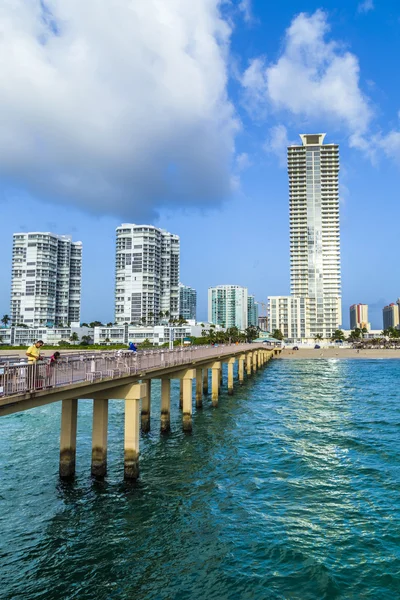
[187, 302]
[228, 305]
[359, 317]
[46, 279]
[146, 274]
[314, 232]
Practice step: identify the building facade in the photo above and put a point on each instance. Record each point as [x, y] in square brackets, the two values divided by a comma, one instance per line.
[252, 312]
[359, 317]
[46, 279]
[227, 306]
[391, 316]
[313, 169]
[187, 302]
[147, 274]
[288, 315]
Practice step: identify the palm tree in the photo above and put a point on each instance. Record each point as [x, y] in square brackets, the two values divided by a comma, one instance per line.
[318, 337]
[74, 337]
[151, 317]
[5, 320]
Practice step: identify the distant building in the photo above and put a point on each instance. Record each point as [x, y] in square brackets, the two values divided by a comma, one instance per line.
[51, 336]
[46, 279]
[313, 169]
[187, 302]
[391, 316]
[227, 306]
[287, 314]
[359, 317]
[252, 312]
[147, 274]
[263, 322]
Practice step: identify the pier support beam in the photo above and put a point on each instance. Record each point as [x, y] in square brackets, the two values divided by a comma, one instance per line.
[221, 376]
[146, 406]
[215, 378]
[205, 381]
[165, 405]
[231, 362]
[199, 388]
[99, 437]
[69, 417]
[181, 394]
[255, 362]
[241, 368]
[259, 362]
[132, 430]
[187, 380]
[249, 361]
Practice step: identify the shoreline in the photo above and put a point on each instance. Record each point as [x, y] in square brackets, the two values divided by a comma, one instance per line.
[307, 353]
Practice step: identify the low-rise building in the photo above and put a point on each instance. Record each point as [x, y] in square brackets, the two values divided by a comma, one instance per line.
[288, 315]
[51, 336]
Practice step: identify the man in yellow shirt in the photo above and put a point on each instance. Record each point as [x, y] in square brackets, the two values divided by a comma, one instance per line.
[33, 352]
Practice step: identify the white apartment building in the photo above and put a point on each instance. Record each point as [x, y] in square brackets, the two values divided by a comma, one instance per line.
[288, 314]
[147, 274]
[46, 279]
[228, 306]
[313, 169]
[51, 336]
[157, 335]
[359, 317]
[187, 302]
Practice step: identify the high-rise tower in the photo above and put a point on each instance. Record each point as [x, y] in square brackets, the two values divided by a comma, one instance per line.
[46, 279]
[314, 232]
[147, 274]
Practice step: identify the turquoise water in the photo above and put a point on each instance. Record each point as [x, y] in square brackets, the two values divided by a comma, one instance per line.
[289, 490]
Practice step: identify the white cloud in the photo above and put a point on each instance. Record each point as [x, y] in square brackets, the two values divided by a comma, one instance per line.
[365, 6]
[116, 106]
[390, 144]
[245, 7]
[313, 79]
[243, 161]
[277, 143]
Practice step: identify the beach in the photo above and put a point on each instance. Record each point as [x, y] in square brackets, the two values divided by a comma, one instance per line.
[338, 353]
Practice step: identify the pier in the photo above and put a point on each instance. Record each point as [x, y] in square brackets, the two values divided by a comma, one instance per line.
[126, 376]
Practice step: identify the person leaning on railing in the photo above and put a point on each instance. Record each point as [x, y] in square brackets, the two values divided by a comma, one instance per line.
[33, 354]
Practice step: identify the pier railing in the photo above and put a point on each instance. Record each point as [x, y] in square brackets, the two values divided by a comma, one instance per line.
[87, 367]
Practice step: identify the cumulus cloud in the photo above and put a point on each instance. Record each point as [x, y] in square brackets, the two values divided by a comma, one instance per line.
[243, 161]
[116, 106]
[277, 143]
[245, 7]
[365, 6]
[313, 78]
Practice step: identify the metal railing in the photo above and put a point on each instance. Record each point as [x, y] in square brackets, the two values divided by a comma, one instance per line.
[22, 378]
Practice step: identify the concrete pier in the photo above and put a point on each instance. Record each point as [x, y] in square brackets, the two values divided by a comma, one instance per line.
[231, 362]
[187, 400]
[69, 418]
[99, 437]
[146, 407]
[199, 388]
[165, 405]
[215, 379]
[205, 381]
[254, 362]
[132, 430]
[181, 394]
[242, 358]
[249, 363]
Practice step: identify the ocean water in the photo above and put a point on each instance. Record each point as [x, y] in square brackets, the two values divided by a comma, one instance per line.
[290, 489]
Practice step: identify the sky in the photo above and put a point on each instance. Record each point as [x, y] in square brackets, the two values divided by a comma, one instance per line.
[178, 114]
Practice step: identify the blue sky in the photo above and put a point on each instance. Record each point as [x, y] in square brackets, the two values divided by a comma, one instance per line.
[180, 116]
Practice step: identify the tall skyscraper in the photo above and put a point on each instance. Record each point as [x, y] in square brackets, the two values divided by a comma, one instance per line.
[359, 316]
[252, 311]
[187, 302]
[314, 232]
[227, 306]
[147, 274]
[46, 279]
[390, 315]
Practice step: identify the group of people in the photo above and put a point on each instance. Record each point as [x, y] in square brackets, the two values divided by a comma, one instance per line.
[34, 356]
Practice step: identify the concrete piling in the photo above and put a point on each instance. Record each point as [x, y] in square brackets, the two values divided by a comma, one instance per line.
[69, 417]
[165, 405]
[99, 437]
[146, 407]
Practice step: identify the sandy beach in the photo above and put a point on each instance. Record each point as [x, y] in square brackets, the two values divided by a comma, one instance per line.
[337, 353]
